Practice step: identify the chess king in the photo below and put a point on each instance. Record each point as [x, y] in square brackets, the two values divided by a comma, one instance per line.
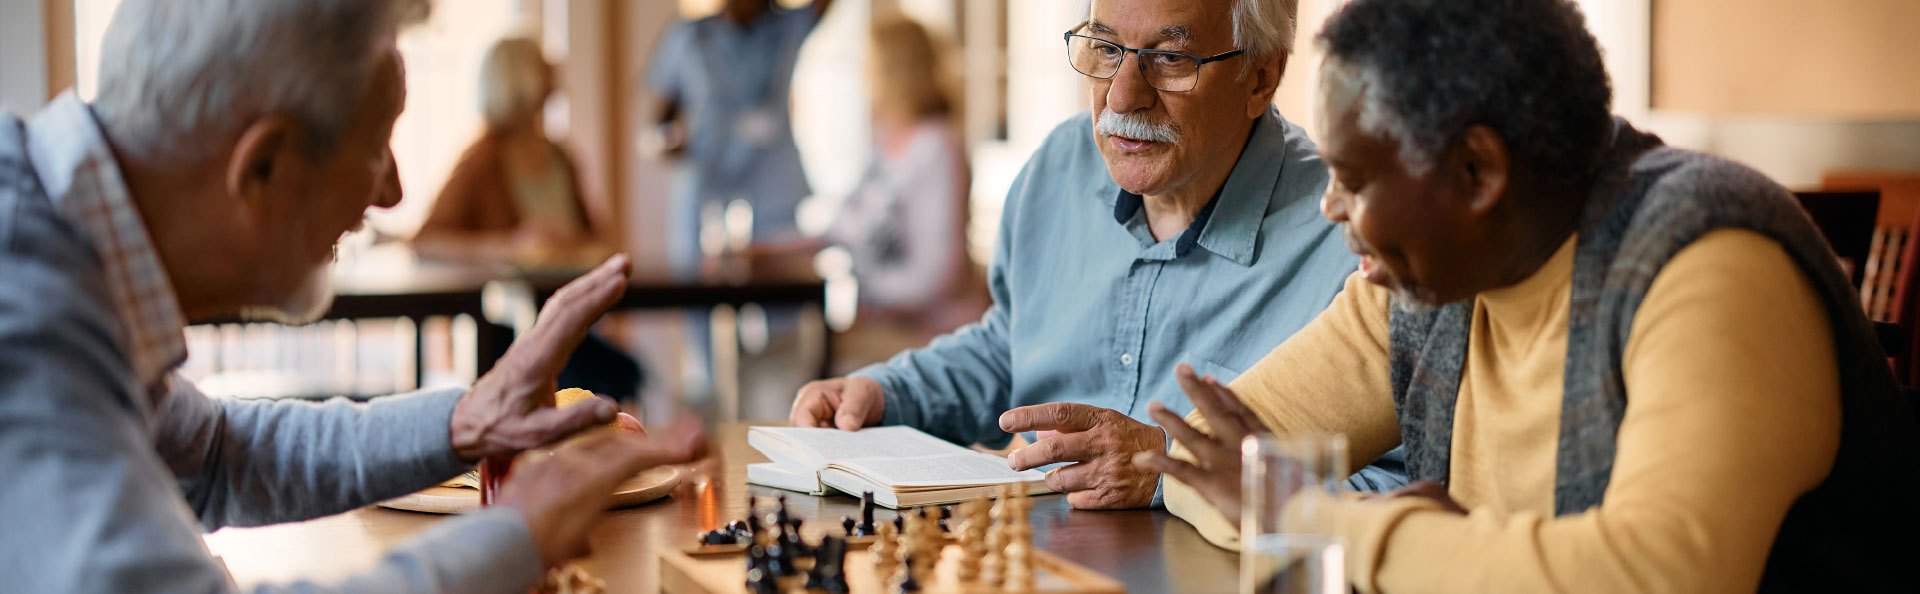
[1175, 221]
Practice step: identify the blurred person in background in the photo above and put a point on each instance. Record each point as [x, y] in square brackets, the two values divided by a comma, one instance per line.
[232, 144]
[725, 91]
[1175, 221]
[724, 84]
[515, 198]
[905, 225]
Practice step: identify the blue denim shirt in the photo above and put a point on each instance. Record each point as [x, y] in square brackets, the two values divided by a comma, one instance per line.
[1088, 308]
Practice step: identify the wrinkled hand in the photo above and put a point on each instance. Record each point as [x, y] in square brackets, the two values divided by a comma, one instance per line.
[1101, 442]
[561, 496]
[510, 409]
[1428, 490]
[848, 403]
[1216, 476]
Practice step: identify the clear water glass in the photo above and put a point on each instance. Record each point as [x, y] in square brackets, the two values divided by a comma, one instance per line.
[1285, 544]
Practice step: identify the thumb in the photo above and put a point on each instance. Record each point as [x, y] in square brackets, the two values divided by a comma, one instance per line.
[550, 424]
[855, 404]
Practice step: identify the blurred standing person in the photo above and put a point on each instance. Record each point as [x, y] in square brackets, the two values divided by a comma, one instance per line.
[515, 197]
[905, 224]
[725, 84]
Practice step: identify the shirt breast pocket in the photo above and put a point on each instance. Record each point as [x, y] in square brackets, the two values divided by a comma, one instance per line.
[1205, 367]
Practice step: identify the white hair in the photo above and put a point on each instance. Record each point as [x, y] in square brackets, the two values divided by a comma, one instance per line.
[178, 75]
[1260, 27]
[513, 80]
[1264, 28]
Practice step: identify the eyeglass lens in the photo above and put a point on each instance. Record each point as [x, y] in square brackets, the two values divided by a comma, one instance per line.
[1166, 71]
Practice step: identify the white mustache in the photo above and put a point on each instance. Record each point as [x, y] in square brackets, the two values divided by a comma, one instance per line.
[1137, 127]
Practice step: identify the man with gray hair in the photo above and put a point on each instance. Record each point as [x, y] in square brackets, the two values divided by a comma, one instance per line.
[1179, 225]
[233, 143]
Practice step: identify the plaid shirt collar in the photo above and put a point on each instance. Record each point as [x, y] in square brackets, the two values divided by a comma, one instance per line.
[76, 167]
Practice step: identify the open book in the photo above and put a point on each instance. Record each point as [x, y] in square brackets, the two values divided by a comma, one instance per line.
[902, 466]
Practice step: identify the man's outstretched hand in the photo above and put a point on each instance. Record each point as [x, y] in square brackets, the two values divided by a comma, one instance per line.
[510, 409]
[561, 496]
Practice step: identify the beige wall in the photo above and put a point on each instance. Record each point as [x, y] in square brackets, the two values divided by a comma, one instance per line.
[1836, 59]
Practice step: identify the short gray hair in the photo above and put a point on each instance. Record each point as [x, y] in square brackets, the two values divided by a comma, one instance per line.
[1261, 28]
[176, 70]
[1264, 28]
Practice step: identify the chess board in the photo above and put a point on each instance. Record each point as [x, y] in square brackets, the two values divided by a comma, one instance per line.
[722, 570]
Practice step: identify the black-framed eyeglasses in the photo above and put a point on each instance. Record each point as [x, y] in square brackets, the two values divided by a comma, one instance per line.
[1171, 71]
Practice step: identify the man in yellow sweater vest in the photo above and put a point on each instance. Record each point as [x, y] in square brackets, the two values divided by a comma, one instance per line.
[1616, 366]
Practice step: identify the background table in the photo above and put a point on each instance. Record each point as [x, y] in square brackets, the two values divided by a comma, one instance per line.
[1149, 550]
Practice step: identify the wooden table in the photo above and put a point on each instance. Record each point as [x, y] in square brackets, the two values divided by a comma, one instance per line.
[1150, 551]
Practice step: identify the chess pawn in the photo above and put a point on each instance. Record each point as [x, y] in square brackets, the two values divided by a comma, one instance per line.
[994, 561]
[973, 535]
[1019, 573]
[912, 535]
[883, 550]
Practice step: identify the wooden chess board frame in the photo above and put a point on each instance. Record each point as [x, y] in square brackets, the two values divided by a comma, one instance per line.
[722, 569]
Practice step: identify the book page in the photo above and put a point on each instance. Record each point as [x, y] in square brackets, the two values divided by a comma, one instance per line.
[834, 445]
[959, 469]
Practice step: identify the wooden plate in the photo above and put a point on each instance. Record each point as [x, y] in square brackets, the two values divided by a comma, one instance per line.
[646, 486]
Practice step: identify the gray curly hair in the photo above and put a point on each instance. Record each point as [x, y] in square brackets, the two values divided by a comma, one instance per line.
[1431, 69]
[176, 73]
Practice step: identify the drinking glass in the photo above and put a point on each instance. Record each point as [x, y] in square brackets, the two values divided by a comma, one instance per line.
[1285, 542]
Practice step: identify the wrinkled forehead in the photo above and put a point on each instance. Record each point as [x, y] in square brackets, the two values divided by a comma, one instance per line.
[1182, 21]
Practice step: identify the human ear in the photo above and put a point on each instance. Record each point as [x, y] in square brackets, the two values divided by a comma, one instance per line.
[1487, 164]
[261, 160]
[1266, 81]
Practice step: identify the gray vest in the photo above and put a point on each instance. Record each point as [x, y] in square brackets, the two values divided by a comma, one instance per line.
[1649, 202]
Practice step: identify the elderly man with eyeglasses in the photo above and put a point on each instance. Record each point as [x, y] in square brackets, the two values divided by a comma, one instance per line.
[1176, 222]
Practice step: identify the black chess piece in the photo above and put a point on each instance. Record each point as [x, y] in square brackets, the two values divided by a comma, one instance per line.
[946, 513]
[718, 537]
[791, 537]
[753, 528]
[779, 560]
[866, 515]
[829, 572]
[848, 523]
[909, 584]
[740, 532]
[899, 522]
[760, 577]
[780, 515]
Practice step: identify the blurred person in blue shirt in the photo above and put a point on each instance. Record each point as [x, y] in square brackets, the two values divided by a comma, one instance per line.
[725, 85]
[1177, 221]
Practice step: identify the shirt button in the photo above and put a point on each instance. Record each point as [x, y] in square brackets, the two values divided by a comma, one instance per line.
[1126, 358]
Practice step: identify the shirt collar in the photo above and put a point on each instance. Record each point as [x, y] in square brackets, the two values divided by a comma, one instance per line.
[76, 167]
[1229, 226]
[1128, 204]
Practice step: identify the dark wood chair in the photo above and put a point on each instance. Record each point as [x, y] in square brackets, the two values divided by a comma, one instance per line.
[1847, 220]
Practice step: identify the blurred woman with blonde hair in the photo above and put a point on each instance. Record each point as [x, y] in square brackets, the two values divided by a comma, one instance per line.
[514, 196]
[906, 222]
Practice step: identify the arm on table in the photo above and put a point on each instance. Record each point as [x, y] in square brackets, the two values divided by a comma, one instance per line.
[1331, 377]
[1728, 422]
[957, 386]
